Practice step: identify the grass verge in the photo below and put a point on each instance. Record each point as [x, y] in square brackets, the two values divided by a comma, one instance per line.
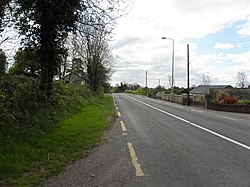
[32, 162]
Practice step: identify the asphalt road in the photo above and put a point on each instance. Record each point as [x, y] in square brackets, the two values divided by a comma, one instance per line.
[157, 143]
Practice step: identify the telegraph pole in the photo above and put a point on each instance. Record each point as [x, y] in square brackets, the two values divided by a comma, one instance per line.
[188, 103]
[146, 83]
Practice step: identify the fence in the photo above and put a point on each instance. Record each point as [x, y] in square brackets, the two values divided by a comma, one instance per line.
[227, 107]
[171, 97]
[208, 104]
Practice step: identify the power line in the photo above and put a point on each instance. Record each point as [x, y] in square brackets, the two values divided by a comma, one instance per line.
[125, 61]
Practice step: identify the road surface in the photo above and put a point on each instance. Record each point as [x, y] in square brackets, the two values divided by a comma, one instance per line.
[157, 143]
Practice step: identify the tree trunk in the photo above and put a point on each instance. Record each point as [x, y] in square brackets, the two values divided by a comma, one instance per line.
[47, 57]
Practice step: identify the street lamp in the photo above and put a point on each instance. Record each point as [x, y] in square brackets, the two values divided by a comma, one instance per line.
[172, 83]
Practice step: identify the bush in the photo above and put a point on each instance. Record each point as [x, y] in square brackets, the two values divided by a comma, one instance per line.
[26, 111]
[19, 100]
[228, 100]
[244, 102]
[220, 95]
[139, 91]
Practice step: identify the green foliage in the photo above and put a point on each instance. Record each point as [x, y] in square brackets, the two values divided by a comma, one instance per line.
[26, 110]
[139, 91]
[122, 88]
[244, 102]
[54, 16]
[31, 125]
[19, 101]
[26, 64]
[107, 87]
[3, 4]
[3, 62]
[27, 163]
[46, 24]
[77, 67]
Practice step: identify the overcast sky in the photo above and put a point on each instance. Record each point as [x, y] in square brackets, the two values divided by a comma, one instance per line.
[218, 32]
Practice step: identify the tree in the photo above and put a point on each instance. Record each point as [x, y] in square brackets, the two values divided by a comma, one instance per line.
[206, 80]
[63, 64]
[47, 23]
[3, 62]
[92, 47]
[241, 79]
[25, 63]
[4, 19]
[3, 5]
[72, 62]
[134, 86]
[123, 86]
[99, 61]
[159, 88]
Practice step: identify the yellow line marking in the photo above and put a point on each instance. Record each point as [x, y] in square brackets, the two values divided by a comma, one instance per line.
[138, 171]
[123, 126]
[119, 114]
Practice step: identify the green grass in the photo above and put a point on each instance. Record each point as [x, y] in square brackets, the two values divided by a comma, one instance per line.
[29, 163]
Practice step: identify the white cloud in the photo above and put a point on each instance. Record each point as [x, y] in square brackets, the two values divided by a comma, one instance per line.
[138, 40]
[245, 29]
[223, 46]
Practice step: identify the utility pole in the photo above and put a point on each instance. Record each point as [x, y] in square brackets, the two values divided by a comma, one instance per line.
[188, 103]
[172, 82]
[160, 84]
[146, 83]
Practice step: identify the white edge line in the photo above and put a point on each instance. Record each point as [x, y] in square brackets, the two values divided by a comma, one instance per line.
[227, 118]
[195, 125]
[197, 111]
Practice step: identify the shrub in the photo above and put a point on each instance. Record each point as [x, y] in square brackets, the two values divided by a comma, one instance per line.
[244, 102]
[19, 100]
[26, 111]
[228, 100]
[139, 91]
[221, 94]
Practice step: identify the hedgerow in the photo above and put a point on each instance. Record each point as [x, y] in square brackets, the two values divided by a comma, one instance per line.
[26, 111]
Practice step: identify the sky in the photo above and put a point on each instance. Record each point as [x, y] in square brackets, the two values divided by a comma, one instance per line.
[217, 31]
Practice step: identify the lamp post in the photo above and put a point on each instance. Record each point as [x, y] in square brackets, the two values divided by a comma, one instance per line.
[172, 83]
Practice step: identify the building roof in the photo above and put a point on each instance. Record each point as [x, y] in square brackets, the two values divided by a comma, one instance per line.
[204, 89]
[75, 76]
